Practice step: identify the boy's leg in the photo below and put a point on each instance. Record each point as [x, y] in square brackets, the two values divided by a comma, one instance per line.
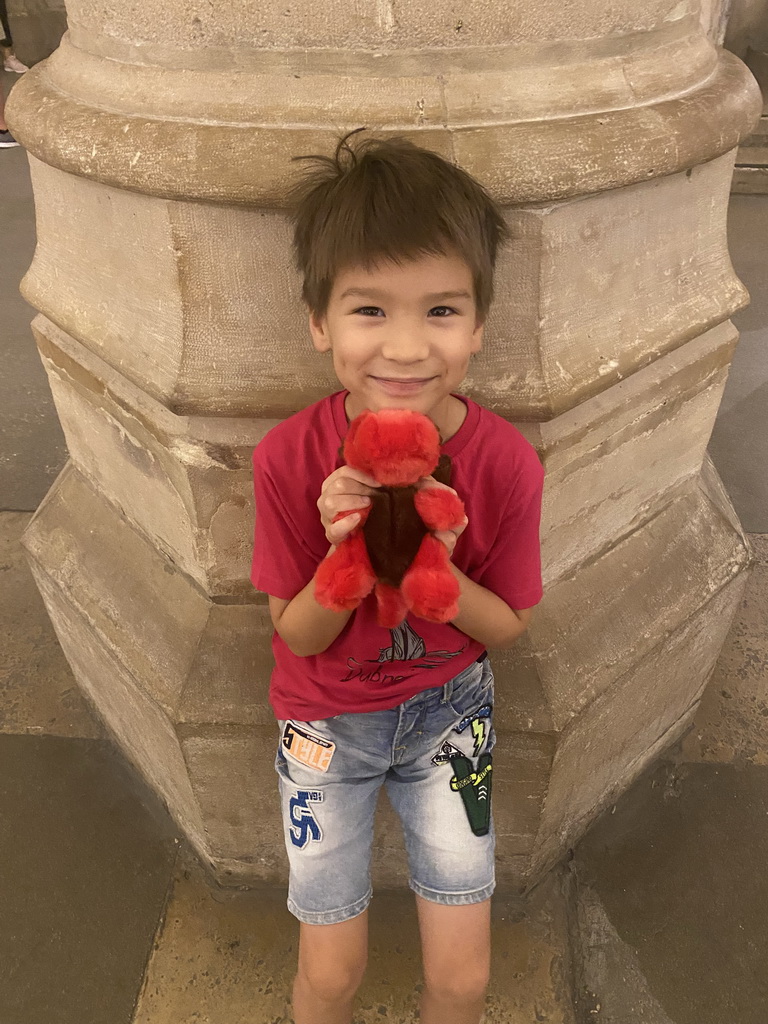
[332, 960]
[441, 788]
[456, 950]
[330, 774]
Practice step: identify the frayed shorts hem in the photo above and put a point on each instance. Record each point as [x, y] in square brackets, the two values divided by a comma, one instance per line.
[454, 899]
[331, 916]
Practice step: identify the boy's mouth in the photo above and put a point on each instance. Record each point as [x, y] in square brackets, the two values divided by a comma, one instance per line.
[402, 385]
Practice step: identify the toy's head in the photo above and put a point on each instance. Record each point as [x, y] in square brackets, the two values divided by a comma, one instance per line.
[395, 446]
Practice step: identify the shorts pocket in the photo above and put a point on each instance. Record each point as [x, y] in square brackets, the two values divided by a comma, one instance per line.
[473, 692]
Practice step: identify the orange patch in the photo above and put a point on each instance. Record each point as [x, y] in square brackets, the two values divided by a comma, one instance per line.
[307, 748]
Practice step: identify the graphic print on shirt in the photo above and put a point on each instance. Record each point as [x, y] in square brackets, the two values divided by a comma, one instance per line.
[304, 825]
[406, 645]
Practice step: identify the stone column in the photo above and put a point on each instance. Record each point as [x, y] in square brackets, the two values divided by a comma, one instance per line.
[160, 139]
[747, 36]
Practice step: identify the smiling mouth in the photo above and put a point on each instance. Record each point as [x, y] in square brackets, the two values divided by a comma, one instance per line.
[404, 380]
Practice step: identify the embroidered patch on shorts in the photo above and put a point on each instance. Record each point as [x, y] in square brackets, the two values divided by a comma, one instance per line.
[445, 753]
[307, 747]
[475, 790]
[479, 722]
[304, 825]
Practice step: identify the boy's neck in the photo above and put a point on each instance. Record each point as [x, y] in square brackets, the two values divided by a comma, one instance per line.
[448, 418]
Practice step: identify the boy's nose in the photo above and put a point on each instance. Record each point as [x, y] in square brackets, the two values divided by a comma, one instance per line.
[405, 348]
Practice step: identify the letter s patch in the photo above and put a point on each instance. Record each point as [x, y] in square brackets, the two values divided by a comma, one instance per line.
[304, 826]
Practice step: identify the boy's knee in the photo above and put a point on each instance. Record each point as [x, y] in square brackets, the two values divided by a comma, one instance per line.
[338, 984]
[458, 985]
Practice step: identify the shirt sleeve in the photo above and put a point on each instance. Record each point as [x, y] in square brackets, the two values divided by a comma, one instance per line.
[514, 571]
[288, 543]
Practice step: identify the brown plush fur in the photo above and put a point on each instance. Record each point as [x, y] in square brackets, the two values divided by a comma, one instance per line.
[394, 529]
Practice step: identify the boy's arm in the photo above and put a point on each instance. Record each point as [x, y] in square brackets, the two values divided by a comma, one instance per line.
[483, 614]
[485, 617]
[305, 626]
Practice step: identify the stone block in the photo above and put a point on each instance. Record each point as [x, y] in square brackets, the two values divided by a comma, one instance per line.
[232, 958]
[582, 302]
[631, 594]
[38, 694]
[622, 732]
[731, 724]
[616, 659]
[612, 461]
[212, 322]
[138, 724]
[575, 272]
[186, 481]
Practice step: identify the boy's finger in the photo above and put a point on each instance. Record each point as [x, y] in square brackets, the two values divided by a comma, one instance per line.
[356, 474]
[338, 531]
[429, 481]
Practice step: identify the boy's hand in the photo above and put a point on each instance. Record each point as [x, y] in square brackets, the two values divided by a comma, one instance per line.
[452, 534]
[344, 489]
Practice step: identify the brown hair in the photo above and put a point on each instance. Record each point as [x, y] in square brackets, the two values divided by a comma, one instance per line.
[389, 200]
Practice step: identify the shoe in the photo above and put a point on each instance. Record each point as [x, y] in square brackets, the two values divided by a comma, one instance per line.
[7, 140]
[12, 63]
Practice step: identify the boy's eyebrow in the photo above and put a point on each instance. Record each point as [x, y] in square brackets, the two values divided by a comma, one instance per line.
[375, 293]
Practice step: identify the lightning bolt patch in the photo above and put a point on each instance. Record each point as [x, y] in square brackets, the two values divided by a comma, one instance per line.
[475, 717]
[478, 731]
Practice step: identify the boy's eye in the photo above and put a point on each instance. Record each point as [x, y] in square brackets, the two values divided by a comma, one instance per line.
[370, 310]
[441, 311]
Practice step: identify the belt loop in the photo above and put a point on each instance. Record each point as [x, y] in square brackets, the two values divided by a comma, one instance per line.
[447, 690]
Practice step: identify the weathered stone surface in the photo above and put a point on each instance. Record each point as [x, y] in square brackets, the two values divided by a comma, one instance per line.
[664, 84]
[233, 958]
[162, 139]
[38, 693]
[187, 482]
[611, 984]
[575, 272]
[251, 25]
[614, 458]
[625, 730]
[155, 617]
[198, 726]
[581, 639]
[751, 172]
[731, 724]
[247, 343]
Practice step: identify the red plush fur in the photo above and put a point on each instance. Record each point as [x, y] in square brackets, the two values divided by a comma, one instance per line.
[397, 448]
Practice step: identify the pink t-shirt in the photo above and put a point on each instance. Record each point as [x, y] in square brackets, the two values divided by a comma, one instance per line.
[496, 473]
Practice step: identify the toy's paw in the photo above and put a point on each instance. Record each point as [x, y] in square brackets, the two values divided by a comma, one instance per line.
[440, 507]
[391, 606]
[345, 577]
[429, 587]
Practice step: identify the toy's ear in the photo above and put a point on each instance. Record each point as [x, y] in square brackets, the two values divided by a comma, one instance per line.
[353, 455]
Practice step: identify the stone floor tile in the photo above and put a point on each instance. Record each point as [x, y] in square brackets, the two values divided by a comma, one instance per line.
[38, 693]
[731, 724]
[87, 857]
[679, 871]
[231, 957]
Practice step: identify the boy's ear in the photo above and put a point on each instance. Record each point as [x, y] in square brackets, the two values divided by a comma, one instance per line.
[477, 335]
[318, 328]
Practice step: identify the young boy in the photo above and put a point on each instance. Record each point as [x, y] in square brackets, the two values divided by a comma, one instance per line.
[397, 249]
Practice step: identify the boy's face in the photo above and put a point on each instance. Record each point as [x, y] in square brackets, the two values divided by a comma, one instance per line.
[401, 336]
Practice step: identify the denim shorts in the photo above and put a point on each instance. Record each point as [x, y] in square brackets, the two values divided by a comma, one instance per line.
[433, 755]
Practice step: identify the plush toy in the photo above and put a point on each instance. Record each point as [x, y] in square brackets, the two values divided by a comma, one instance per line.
[392, 550]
